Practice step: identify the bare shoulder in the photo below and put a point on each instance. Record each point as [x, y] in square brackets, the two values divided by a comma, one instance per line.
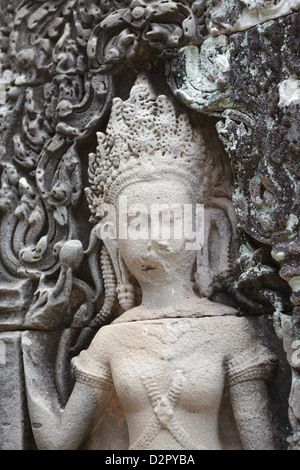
[102, 339]
[244, 339]
[240, 325]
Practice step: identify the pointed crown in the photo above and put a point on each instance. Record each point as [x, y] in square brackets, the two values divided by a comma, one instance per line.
[146, 140]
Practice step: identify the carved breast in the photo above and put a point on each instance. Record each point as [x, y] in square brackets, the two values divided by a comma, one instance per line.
[169, 376]
[155, 357]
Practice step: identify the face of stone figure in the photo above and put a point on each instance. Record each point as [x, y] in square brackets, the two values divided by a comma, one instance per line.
[155, 248]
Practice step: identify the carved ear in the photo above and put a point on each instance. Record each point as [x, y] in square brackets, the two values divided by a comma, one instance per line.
[213, 261]
[107, 232]
[111, 245]
[125, 289]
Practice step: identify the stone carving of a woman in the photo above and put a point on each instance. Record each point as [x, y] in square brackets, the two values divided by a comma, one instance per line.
[169, 359]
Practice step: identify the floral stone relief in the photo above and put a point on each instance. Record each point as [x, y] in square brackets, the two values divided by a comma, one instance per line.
[178, 103]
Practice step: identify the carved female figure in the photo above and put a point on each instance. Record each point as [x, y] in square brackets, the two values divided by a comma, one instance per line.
[170, 358]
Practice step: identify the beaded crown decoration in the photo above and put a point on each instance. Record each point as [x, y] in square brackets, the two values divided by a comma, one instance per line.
[145, 140]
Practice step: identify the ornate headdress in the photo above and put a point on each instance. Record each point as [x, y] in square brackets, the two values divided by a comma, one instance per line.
[146, 140]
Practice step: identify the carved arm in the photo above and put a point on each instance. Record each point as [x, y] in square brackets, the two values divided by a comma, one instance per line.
[249, 401]
[56, 427]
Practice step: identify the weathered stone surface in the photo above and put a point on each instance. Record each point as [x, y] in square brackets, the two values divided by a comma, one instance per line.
[227, 136]
[176, 352]
[250, 81]
[15, 431]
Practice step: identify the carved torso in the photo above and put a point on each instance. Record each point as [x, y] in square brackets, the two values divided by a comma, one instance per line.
[170, 375]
